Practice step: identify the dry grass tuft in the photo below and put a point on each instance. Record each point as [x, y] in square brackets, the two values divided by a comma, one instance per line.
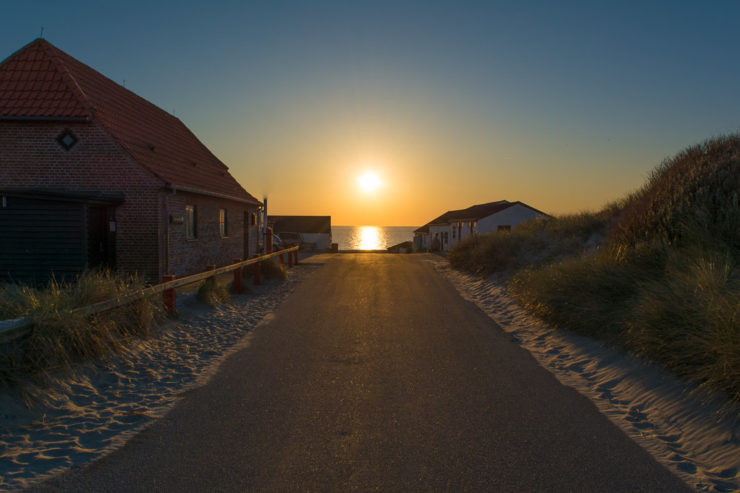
[60, 337]
[210, 292]
[273, 269]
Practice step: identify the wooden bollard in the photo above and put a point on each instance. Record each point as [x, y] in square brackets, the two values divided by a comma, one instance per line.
[282, 259]
[290, 259]
[256, 279]
[169, 296]
[237, 277]
[296, 257]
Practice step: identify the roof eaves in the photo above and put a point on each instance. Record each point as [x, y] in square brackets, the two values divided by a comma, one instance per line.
[178, 188]
[78, 119]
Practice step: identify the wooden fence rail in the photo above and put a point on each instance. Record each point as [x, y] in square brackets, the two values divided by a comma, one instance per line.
[21, 327]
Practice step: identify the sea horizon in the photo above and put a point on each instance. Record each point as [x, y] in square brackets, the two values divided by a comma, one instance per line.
[370, 237]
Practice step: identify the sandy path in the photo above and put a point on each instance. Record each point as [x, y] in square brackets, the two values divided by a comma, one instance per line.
[694, 435]
[85, 415]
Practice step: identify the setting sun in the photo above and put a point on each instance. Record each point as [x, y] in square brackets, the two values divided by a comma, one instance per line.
[369, 182]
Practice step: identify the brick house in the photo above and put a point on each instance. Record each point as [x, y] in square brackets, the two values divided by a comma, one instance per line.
[93, 175]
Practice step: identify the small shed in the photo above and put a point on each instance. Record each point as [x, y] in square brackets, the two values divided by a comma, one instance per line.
[403, 247]
[315, 231]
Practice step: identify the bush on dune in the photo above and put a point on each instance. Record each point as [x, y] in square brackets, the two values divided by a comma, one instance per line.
[536, 242]
[692, 198]
[656, 273]
[689, 320]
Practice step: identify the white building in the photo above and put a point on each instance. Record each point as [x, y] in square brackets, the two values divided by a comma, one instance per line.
[452, 227]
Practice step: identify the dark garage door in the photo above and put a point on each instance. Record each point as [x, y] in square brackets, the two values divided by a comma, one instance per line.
[39, 238]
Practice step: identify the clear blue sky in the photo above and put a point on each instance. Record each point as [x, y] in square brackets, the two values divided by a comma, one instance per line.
[563, 105]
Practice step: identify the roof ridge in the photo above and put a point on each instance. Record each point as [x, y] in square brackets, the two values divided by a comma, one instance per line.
[55, 57]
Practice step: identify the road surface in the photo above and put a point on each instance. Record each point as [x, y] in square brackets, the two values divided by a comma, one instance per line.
[374, 375]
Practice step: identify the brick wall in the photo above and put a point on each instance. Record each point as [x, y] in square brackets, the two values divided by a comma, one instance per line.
[31, 157]
[189, 256]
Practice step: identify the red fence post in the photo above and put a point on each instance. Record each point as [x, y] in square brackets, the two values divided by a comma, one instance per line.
[282, 259]
[169, 296]
[290, 259]
[256, 279]
[296, 256]
[237, 277]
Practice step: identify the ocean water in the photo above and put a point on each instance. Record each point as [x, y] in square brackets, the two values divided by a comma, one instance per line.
[370, 237]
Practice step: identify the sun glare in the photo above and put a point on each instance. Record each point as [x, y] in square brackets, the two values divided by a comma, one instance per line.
[370, 238]
[369, 182]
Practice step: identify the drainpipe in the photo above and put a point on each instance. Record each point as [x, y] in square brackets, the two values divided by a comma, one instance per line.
[167, 232]
[264, 225]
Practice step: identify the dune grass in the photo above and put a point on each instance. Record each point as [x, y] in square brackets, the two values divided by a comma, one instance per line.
[656, 273]
[59, 337]
[271, 268]
[210, 292]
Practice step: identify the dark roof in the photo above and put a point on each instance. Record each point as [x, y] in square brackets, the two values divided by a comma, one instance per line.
[300, 224]
[474, 213]
[403, 244]
[41, 82]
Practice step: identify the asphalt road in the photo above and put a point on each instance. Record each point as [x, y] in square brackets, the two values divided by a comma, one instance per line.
[374, 375]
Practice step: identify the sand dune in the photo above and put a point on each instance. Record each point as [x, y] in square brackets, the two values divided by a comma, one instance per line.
[695, 435]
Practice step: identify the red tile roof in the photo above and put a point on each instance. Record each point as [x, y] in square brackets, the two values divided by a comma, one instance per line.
[40, 81]
[33, 82]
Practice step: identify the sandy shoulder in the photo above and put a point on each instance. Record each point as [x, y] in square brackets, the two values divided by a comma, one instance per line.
[695, 435]
[87, 414]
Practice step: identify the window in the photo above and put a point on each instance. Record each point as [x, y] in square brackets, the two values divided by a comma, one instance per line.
[222, 222]
[191, 222]
[67, 139]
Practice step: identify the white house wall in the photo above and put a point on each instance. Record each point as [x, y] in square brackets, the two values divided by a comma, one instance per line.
[512, 216]
[464, 232]
[422, 241]
[439, 230]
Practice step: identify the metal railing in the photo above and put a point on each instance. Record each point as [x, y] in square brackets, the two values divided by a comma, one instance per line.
[20, 327]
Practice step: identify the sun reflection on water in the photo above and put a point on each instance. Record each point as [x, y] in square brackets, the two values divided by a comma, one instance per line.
[370, 238]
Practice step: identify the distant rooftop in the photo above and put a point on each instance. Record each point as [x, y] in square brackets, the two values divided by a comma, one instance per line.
[300, 224]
